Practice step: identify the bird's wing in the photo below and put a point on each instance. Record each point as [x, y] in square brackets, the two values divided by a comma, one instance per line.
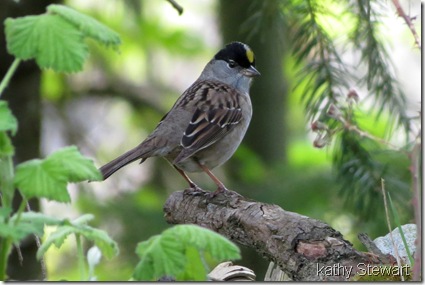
[217, 112]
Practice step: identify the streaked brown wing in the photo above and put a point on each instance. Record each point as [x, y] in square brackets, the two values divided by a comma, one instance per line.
[216, 114]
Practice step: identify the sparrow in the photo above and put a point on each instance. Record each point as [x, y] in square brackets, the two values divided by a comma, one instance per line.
[208, 121]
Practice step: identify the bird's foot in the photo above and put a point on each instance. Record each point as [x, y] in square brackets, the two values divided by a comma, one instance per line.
[194, 190]
[219, 190]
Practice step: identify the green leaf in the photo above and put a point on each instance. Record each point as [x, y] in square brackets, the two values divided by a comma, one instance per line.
[8, 122]
[196, 268]
[36, 217]
[4, 213]
[38, 178]
[6, 146]
[51, 40]
[87, 25]
[160, 256]
[172, 253]
[48, 178]
[21, 230]
[206, 240]
[102, 240]
[56, 39]
[29, 223]
[77, 167]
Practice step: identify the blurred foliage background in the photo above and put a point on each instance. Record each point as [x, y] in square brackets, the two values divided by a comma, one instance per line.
[119, 98]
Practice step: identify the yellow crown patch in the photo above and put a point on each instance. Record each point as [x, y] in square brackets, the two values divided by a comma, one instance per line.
[249, 54]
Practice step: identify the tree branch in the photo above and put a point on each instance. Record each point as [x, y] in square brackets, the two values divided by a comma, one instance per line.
[303, 247]
[408, 21]
[176, 6]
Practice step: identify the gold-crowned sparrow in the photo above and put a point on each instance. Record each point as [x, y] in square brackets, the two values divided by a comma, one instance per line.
[207, 123]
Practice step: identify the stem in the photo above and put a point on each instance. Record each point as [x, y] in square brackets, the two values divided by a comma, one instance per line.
[176, 6]
[20, 210]
[6, 245]
[7, 189]
[387, 215]
[408, 21]
[38, 242]
[397, 221]
[81, 263]
[416, 171]
[6, 181]
[9, 74]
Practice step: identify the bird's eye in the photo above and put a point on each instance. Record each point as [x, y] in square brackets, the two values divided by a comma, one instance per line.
[231, 63]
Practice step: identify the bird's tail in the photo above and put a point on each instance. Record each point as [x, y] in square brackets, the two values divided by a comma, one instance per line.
[121, 161]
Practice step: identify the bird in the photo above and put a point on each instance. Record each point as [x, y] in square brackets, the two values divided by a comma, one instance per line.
[208, 121]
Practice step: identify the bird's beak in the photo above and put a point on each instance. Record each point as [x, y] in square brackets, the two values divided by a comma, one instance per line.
[251, 72]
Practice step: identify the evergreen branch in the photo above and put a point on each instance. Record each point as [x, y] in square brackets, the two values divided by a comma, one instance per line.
[349, 126]
[326, 72]
[379, 79]
[358, 173]
[359, 158]
[360, 163]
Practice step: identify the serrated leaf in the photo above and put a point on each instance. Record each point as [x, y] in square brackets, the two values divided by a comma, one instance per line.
[8, 122]
[21, 230]
[48, 178]
[37, 217]
[56, 238]
[81, 220]
[51, 40]
[38, 178]
[87, 25]
[6, 146]
[160, 256]
[206, 240]
[194, 269]
[77, 167]
[4, 213]
[107, 246]
[171, 253]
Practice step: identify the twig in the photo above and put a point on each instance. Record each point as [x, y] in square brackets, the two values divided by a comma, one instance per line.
[176, 6]
[408, 21]
[389, 227]
[373, 248]
[38, 243]
[6, 79]
[354, 128]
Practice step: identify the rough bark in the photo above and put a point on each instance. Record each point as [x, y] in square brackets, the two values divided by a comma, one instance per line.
[302, 247]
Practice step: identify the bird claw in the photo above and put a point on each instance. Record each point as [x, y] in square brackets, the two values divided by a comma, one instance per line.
[194, 190]
[219, 190]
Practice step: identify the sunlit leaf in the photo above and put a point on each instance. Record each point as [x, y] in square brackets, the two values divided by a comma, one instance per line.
[87, 25]
[171, 253]
[51, 40]
[6, 147]
[107, 246]
[8, 122]
[18, 231]
[56, 39]
[48, 178]
[77, 167]
[38, 178]
[160, 256]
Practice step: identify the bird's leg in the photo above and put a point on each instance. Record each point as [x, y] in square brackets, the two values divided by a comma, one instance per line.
[192, 184]
[221, 188]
